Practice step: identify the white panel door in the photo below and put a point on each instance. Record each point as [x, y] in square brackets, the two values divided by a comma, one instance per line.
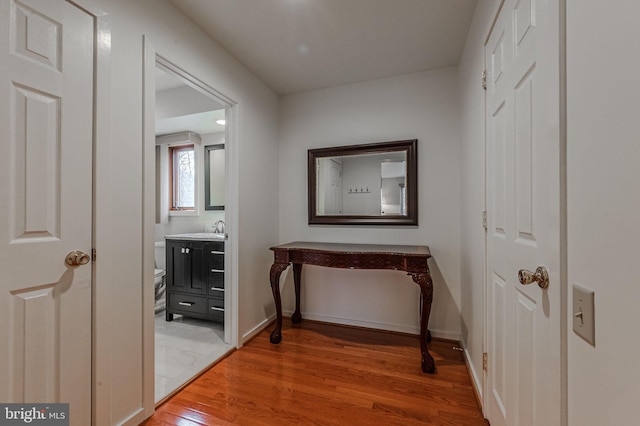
[46, 125]
[523, 187]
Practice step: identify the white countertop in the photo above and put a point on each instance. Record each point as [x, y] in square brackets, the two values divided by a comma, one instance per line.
[200, 236]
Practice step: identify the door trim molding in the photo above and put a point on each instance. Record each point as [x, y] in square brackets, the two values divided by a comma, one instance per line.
[147, 226]
[101, 402]
[563, 219]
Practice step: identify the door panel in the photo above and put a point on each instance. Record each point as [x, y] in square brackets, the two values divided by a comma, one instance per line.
[523, 104]
[35, 154]
[499, 199]
[525, 346]
[523, 327]
[499, 346]
[46, 126]
[178, 269]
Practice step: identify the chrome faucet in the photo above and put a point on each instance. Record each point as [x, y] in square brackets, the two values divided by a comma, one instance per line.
[219, 226]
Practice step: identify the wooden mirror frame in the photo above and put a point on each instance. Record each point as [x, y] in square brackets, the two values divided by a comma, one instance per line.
[410, 219]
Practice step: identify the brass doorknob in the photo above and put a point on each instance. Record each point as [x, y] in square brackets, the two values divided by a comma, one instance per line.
[77, 258]
[541, 276]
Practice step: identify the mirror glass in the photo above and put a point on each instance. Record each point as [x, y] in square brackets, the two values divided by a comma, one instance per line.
[214, 177]
[364, 184]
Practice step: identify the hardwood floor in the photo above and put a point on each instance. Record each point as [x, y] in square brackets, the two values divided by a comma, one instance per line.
[324, 374]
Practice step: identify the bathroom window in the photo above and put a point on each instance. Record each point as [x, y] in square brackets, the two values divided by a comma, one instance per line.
[182, 176]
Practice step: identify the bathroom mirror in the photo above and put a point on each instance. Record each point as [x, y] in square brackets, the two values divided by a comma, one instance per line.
[214, 177]
[370, 184]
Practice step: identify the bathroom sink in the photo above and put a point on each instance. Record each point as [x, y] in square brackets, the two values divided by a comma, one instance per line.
[200, 236]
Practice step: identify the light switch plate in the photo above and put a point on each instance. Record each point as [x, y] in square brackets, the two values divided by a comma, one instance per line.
[584, 313]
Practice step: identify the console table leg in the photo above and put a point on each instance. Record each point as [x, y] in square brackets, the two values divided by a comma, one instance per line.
[274, 277]
[426, 289]
[297, 272]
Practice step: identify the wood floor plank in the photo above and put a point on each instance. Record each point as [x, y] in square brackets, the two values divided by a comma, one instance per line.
[322, 374]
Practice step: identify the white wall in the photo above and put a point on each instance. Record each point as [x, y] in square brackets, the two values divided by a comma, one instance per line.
[603, 104]
[472, 242]
[421, 106]
[119, 349]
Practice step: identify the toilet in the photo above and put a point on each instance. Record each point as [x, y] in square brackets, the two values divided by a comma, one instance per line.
[159, 273]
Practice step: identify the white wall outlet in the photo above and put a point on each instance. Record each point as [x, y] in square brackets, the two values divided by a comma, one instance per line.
[584, 313]
[210, 227]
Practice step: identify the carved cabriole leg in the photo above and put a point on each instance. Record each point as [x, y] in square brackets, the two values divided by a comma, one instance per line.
[426, 289]
[297, 271]
[274, 277]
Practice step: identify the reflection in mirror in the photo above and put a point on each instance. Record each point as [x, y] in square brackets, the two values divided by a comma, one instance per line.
[214, 177]
[392, 193]
[364, 184]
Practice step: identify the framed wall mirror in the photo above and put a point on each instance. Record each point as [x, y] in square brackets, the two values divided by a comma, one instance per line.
[214, 177]
[370, 184]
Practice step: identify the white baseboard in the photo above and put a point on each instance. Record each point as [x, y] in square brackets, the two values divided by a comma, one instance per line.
[475, 379]
[447, 335]
[399, 328]
[376, 325]
[257, 329]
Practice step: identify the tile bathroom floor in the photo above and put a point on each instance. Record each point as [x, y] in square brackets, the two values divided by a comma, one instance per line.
[184, 347]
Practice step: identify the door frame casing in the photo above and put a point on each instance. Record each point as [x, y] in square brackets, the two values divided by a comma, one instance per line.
[101, 401]
[102, 295]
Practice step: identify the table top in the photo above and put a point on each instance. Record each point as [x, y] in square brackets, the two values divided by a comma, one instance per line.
[404, 250]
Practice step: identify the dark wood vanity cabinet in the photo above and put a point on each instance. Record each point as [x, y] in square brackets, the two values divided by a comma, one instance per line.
[195, 279]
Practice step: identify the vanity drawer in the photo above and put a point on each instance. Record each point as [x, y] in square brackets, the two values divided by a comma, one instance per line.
[216, 291]
[216, 308]
[217, 246]
[215, 254]
[216, 260]
[215, 281]
[187, 303]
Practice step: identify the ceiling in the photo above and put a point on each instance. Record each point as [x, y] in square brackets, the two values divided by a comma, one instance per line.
[193, 111]
[301, 45]
[201, 123]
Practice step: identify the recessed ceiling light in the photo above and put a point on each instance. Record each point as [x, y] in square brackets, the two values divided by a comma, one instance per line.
[221, 122]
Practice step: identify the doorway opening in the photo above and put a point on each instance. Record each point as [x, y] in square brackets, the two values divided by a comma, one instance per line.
[191, 122]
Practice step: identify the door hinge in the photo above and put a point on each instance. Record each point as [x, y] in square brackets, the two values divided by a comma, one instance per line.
[94, 255]
[484, 79]
[485, 361]
[484, 220]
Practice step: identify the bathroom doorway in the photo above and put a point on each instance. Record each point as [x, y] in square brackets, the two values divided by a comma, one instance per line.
[190, 120]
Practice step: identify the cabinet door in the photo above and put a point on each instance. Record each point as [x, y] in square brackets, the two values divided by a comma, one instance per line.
[186, 267]
[178, 277]
[198, 259]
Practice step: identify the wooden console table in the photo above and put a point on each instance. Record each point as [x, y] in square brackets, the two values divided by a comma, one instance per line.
[410, 259]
